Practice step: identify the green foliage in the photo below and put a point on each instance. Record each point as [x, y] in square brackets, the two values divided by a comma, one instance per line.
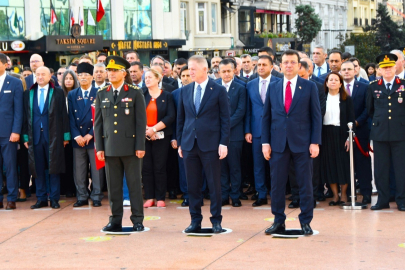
[365, 47]
[388, 34]
[307, 24]
[274, 35]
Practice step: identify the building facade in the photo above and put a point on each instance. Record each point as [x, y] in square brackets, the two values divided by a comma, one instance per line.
[360, 13]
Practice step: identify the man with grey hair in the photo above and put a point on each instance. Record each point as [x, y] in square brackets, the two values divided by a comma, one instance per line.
[399, 64]
[255, 59]
[319, 56]
[203, 129]
[247, 67]
[100, 75]
[238, 70]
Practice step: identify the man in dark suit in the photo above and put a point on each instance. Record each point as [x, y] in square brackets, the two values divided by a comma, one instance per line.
[362, 164]
[203, 127]
[291, 128]
[357, 67]
[269, 52]
[385, 107]
[304, 72]
[11, 120]
[231, 177]
[319, 56]
[335, 62]
[119, 129]
[256, 94]
[36, 61]
[46, 132]
[247, 66]
[81, 128]
[136, 73]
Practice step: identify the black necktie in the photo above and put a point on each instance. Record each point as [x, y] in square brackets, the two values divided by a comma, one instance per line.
[115, 95]
[388, 87]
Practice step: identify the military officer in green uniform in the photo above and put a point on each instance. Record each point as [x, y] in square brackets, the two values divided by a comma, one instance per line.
[386, 107]
[119, 129]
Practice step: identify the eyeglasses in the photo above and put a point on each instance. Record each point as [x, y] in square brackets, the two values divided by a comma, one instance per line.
[35, 61]
[114, 70]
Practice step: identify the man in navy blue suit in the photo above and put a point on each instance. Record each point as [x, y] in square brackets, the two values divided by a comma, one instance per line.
[11, 119]
[291, 129]
[36, 61]
[231, 177]
[335, 62]
[203, 127]
[362, 164]
[256, 94]
[81, 129]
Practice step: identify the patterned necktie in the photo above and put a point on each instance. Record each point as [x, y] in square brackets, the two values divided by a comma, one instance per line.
[85, 97]
[288, 97]
[319, 71]
[115, 95]
[263, 91]
[197, 101]
[42, 100]
[348, 89]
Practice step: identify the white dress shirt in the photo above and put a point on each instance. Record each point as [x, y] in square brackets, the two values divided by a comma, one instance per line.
[46, 87]
[179, 82]
[227, 85]
[203, 86]
[34, 78]
[293, 85]
[267, 83]
[401, 75]
[119, 88]
[248, 74]
[324, 69]
[99, 86]
[391, 83]
[2, 79]
[351, 86]
[88, 91]
[332, 114]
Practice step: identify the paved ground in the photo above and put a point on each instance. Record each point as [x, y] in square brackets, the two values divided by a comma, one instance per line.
[70, 238]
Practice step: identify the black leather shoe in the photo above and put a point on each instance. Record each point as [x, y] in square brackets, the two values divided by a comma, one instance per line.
[185, 203]
[321, 198]
[216, 228]
[306, 229]
[55, 204]
[225, 202]
[39, 204]
[80, 203]
[378, 206]
[366, 199]
[401, 207]
[255, 197]
[193, 228]
[243, 197]
[236, 203]
[96, 203]
[111, 227]
[259, 202]
[294, 204]
[172, 195]
[251, 190]
[138, 227]
[276, 228]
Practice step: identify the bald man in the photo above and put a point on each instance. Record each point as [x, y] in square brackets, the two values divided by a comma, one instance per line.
[45, 134]
[36, 61]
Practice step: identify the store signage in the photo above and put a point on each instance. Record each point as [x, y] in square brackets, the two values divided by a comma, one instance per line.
[69, 43]
[17, 45]
[136, 45]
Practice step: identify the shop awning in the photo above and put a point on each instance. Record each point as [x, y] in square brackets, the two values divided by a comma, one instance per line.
[273, 12]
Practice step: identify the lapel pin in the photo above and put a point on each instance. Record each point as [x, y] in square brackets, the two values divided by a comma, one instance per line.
[299, 87]
[211, 88]
[163, 101]
[8, 82]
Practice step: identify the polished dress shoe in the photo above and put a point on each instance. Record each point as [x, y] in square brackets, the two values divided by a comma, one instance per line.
[138, 227]
[294, 204]
[193, 228]
[11, 206]
[111, 227]
[306, 229]
[80, 203]
[55, 204]
[1, 205]
[236, 203]
[172, 195]
[366, 199]
[185, 203]
[401, 207]
[96, 203]
[276, 228]
[259, 202]
[39, 204]
[216, 228]
[378, 206]
[251, 190]
[255, 197]
[225, 202]
[243, 197]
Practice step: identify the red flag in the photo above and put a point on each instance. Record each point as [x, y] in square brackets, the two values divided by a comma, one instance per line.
[72, 18]
[54, 19]
[100, 11]
[81, 21]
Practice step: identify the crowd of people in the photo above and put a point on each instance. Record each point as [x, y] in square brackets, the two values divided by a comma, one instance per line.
[220, 129]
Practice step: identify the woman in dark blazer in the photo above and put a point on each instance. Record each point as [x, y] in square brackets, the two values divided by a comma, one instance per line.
[160, 114]
[335, 159]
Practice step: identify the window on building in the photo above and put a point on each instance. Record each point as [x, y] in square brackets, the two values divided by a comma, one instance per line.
[12, 20]
[201, 18]
[183, 18]
[103, 27]
[166, 6]
[138, 19]
[224, 18]
[61, 27]
[245, 26]
[214, 18]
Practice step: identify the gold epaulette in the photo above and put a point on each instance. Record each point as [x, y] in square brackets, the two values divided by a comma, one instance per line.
[373, 81]
[133, 86]
[101, 89]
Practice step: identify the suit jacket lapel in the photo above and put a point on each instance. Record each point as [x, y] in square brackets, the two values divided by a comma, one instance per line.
[91, 97]
[79, 99]
[280, 87]
[191, 97]
[297, 94]
[355, 89]
[257, 90]
[208, 91]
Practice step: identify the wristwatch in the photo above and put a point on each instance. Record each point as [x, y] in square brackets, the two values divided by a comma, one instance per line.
[154, 129]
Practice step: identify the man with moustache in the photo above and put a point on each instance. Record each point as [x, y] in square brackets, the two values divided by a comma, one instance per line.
[81, 129]
[99, 75]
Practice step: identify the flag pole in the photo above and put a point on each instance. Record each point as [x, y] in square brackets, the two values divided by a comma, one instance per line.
[50, 17]
[60, 21]
[96, 18]
[87, 25]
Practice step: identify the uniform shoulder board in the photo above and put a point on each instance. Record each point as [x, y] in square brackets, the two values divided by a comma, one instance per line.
[103, 88]
[373, 81]
[134, 86]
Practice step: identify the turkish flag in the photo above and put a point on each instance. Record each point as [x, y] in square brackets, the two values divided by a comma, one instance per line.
[99, 163]
[100, 11]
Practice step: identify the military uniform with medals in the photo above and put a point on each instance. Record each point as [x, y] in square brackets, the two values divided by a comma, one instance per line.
[386, 107]
[120, 125]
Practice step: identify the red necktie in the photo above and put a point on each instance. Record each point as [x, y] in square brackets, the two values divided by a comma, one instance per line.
[247, 76]
[288, 97]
